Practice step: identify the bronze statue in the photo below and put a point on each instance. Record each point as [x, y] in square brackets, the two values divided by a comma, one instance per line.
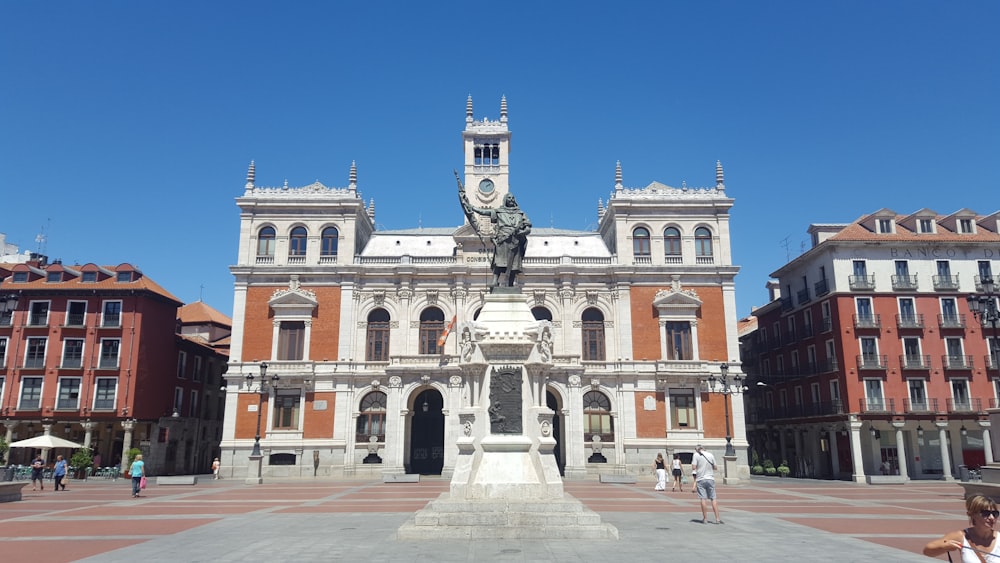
[510, 236]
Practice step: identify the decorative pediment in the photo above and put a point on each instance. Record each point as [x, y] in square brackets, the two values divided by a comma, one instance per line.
[675, 302]
[293, 300]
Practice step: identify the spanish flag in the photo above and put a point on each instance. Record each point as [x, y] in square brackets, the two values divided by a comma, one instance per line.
[447, 330]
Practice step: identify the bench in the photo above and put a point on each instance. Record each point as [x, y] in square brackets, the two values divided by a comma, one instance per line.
[177, 480]
[11, 491]
[401, 478]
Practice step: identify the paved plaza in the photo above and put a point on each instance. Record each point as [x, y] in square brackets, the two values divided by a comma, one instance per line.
[766, 519]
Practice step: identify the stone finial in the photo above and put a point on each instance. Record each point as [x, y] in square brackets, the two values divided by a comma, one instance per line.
[285, 187]
[468, 109]
[503, 109]
[600, 208]
[618, 176]
[352, 177]
[371, 208]
[720, 183]
[251, 174]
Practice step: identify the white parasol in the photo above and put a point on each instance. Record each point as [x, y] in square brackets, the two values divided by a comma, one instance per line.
[45, 442]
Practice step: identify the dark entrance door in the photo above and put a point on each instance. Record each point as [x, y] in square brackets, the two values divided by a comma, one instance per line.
[427, 434]
[553, 403]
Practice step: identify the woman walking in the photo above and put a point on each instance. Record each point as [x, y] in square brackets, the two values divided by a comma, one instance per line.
[59, 472]
[137, 471]
[661, 473]
[677, 472]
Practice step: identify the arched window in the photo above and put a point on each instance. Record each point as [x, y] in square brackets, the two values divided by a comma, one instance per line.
[597, 417]
[702, 242]
[541, 314]
[431, 325]
[329, 240]
[297, 242]
[640, 242]
[377, 346]
[593, 335]
[265, 242]
[671, 241]
[371, 420]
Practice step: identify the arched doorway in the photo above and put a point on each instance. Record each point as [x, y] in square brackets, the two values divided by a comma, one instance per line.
[427, 433]
[552, 402]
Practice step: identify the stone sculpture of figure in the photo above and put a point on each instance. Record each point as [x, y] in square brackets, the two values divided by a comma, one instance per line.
[466, 346]
[510, 235]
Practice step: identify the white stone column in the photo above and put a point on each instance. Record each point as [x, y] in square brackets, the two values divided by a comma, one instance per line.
[834, 452]
[396, 419]
[987, 441]
[452, 426]
[857, 460]
[576, 458]
[901, 450]
[10, 425]
[945, 454]
[800, 461]
[782, 447]
[128, 426]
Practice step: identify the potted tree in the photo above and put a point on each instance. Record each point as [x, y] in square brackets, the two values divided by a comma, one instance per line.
[783, 470]
[769, 468]
[82, 461]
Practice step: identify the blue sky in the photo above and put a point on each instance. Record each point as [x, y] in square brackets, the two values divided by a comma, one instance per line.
[126, 127]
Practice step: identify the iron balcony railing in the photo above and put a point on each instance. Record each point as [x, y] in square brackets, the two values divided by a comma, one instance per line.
[965, 405]
[871, 361]
[945, 282]
[910, 321]
[878, 405]
[786, 304]
[904, 281]
[821, 288]
[979, 280]
[956, 361]
[951, 321]
[867, 321]
[825, 408]
[807, 331]
[861, 282]
[990, 361]
[827, 325]
[803, 296]
[830, 365]
[915, 361]
[920, 405]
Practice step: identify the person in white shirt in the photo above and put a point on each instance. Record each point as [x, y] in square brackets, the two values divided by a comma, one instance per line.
[703, 469]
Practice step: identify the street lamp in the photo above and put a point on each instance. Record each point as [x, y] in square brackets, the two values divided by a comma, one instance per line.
[984, 308]
[8, 302]
[727, 389]
[261, 390]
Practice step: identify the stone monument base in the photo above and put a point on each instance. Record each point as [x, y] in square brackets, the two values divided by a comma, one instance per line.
[447, 518]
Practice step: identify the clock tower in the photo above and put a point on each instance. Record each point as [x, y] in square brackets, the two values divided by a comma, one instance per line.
[487, 151]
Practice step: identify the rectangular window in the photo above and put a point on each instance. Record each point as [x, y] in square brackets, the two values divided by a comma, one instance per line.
[196, 376]
[2, 381]
[960, 395]
[31, 394]
[593, 341]
[53, 277]
[286, 410]
[811, 359]
[72, 353]
[39, 313]
[798, 395]
[123, 277]
[682, 409]
[814, 392]
[20, 277]
[291, 340]
[377, 346]
[949, 312]
[3, 352]
[105, 390]
[679, 346]
[112, 314]
[76, 313]
[34, 353]
[89, 277]
[193, 404]
[835, 395]
[918, 396]
[885, 226]
[873, 395]
[182, 365]
[985, 270]
[178, 400]
[925, 225]
[869, 352]
[69, 393]
[109, 353]
[795, 362]
[965, 226]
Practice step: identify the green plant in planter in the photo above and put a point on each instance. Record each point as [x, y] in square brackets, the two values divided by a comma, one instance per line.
[768, 464]
[757, 469]
[770, 471]
[783, 469]
[81, 461]
[3, 450]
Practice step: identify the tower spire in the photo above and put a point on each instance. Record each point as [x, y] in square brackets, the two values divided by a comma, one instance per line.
[720, 184]
[352, 178]
[250, 176]
[468, 109]
[618, 175]
[503, 109]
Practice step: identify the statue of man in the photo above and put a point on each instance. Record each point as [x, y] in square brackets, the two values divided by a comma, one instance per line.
[510, 235]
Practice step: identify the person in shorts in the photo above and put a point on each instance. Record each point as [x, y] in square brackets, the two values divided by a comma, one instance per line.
[37, 472]
[703, 469]
[216, 465]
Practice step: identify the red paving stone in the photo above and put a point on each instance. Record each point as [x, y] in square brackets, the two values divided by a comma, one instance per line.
[885, 527]
[62, 551]
[53, 526]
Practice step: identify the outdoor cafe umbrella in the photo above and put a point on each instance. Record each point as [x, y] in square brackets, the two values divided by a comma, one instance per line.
[45, 442]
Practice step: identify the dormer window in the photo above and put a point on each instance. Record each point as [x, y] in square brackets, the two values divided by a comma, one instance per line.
[965, 226]
[885, 226]
[20, 277]
[53, 277]
[123, 277]
[89, 277]
[925, 226]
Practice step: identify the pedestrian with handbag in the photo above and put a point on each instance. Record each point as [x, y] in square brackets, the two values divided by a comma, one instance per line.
[59, 473]
[138, 472]
[703, 468]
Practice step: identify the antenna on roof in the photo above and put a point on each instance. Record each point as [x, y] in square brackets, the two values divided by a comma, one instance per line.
[42, 239]
[784, 244]
[201, 292]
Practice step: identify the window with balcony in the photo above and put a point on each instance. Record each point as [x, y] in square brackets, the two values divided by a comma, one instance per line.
[291, 340]
[960, 399]
[918, 396]
[874, 401]
[111, 315]
[908, 317]
[597, 417]
[76, 313]
[860, 279]
[286, 409]
[31, 394]
[865, 316]
[682, 409]
[377, 336]
[266, 241]
[944, 279]
[950, 317]
[912, 358]
[105, 392]
[72, 357]
[69, 393]
[34, 353]
[38, 313]
[110, 348]
[955, 358]
[640, 242]
[431, 326]
[672, 243]
[592, 333]
[870, 358]
[703, 242]
[371, 419]
[297, 242]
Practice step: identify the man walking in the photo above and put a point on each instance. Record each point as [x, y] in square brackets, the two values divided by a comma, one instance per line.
[703, 469]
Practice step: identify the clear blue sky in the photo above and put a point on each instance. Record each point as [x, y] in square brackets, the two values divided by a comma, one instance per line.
[126, 127]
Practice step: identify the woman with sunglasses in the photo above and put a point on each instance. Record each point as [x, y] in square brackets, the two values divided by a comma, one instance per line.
[978, 543]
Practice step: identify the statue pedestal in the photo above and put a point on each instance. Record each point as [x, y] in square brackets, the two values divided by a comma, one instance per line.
[506, 483]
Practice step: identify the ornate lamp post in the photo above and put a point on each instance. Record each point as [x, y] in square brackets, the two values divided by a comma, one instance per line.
[984, 307]
[726, 387]
[255, 455]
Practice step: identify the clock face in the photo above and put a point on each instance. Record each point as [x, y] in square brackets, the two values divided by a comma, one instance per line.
[486, 186]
